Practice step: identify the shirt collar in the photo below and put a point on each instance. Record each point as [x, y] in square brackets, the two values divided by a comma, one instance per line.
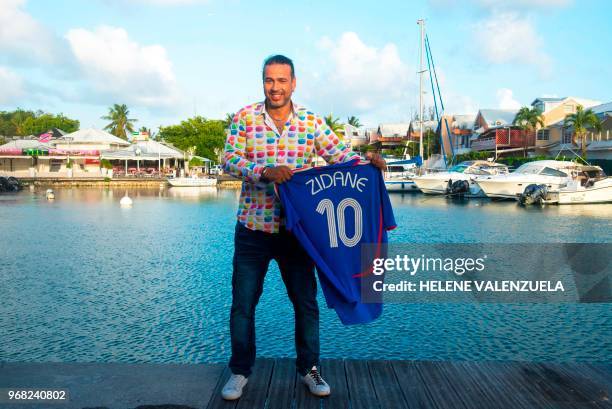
[261, 110]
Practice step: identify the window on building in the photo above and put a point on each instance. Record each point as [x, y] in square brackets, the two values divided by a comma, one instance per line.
[568, 109]
[567, 136]
[543, 135]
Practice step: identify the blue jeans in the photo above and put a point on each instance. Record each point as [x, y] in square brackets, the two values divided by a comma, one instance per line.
[253, 251]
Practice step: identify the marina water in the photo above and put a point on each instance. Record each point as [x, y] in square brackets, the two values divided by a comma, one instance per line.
[84, 280]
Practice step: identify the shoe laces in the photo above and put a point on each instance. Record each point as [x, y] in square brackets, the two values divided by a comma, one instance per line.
[314, 374]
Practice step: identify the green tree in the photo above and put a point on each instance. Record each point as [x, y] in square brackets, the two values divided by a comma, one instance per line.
[228, 119]
[22, 123]
[208, 136]
[120, 123]
[582, 121]
[528, 120]
[354, 121]
[335, 125]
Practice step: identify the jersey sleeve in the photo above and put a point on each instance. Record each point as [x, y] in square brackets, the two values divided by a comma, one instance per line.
[388, 219]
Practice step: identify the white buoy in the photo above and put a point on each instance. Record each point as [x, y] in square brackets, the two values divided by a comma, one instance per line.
[49, 194]
[126, 201]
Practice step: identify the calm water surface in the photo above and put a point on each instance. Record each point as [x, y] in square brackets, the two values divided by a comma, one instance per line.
[82, 279]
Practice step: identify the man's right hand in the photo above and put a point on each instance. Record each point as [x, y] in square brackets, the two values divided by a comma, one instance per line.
[277, 174]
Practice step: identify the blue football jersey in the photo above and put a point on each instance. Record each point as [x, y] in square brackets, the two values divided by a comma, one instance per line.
[334, 210]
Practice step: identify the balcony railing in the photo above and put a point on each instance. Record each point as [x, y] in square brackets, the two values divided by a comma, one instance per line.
[503, 139]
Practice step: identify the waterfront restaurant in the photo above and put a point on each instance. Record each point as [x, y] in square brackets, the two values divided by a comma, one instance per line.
[72, 155]
[19, 157]
[79, 154]
[145, 157]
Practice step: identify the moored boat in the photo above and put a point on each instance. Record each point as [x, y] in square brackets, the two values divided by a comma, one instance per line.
[551, 173]
[446, 182]
[192, 181]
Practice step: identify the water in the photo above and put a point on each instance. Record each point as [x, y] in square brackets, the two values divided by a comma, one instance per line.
[82, 279]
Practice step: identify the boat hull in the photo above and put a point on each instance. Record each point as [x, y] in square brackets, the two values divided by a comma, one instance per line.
[192, 182]
[600, 192]
[400, 185]
[512, 189]
[437, 184]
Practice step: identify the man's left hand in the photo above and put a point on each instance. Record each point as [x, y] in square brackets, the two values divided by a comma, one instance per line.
[376, 160]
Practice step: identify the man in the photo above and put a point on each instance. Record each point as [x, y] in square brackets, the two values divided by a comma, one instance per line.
[266, 141]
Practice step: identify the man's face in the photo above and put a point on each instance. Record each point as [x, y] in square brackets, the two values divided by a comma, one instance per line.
[278, 85]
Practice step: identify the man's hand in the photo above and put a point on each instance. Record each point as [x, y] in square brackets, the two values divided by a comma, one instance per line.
[376, 160]
[277, 174]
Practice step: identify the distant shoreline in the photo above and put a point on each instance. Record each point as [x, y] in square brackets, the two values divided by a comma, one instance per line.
[100, 182]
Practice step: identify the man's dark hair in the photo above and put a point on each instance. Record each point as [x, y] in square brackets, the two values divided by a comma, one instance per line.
[277, 59]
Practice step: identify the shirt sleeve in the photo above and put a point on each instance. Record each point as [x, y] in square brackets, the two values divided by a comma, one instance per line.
[329, 146]
[388, 219]
[235, 161]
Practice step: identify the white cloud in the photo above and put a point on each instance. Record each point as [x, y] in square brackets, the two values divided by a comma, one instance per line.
[360, 78]
[514, 4]
[507, 37]
[169, 2]
[11, 86]
[24, 37]
[119, 67]
[505, 99]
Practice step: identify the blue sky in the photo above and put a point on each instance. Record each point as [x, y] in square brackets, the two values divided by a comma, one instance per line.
[169, 59]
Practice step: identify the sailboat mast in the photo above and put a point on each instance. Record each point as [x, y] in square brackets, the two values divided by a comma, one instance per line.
[421, 23]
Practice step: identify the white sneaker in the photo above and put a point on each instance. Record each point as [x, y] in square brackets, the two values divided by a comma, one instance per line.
[315, 383]
[233, 387]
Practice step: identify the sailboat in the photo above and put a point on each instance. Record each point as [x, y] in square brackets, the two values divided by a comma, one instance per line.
[401, 173]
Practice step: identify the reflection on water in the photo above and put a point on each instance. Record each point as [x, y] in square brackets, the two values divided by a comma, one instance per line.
[193, 192]
[82, 279]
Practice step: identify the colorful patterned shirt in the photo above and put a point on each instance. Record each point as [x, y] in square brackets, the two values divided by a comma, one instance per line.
[253, 143]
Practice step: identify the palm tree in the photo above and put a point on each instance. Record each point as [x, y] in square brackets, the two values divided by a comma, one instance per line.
[120, 124]
[354, 121]
[582, 121]
[528, 120]
[335, 125]
[228, 119]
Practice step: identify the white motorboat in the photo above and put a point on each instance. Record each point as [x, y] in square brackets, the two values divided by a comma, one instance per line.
[551, 173]
[192, 181]
[398, 176]
[588, 185]
[460, 178]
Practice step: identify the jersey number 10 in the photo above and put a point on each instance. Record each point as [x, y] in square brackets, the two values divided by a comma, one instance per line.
[327, 206]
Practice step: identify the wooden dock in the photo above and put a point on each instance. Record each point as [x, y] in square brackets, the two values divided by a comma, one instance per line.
[356, 384]
[360, 384]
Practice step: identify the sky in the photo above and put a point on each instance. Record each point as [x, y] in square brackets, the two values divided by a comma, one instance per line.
[169, 60]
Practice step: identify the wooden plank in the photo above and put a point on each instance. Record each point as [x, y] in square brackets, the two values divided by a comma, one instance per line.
[510, 376]
[439, 386]
[414, 390]
[334, 374]
[216, 401]
[595, 380]
[603, 373]
[386, 386]
[256, 391]
[473, 393]
[490, 385]
[575, 383]
[550, 386]
[361, 389]
[282, 384]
